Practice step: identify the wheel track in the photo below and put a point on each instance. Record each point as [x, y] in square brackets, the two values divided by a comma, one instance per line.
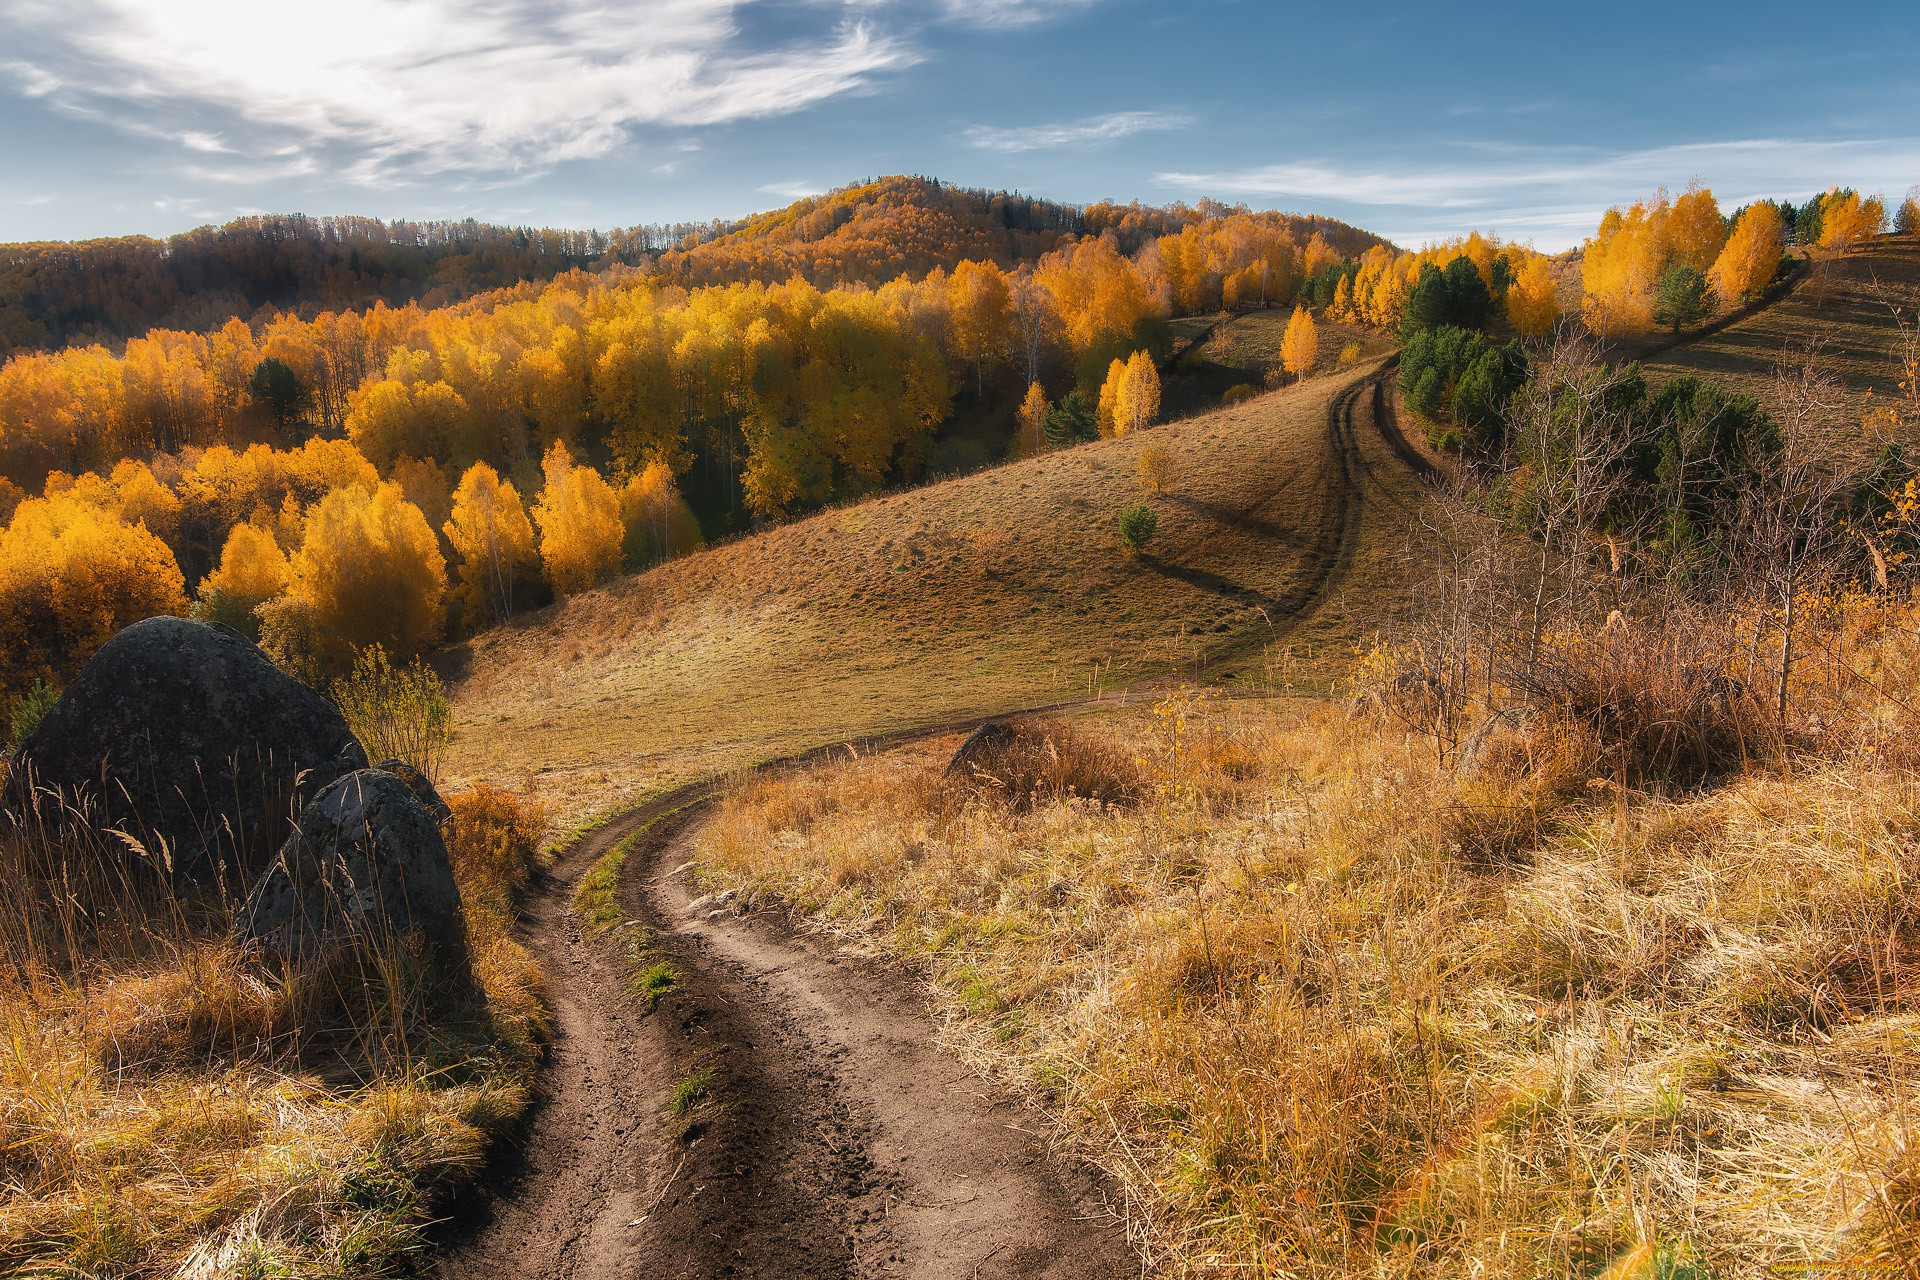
[840, 1143]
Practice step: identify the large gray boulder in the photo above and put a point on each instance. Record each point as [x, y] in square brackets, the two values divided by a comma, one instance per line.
[367, 863]
[184, 735]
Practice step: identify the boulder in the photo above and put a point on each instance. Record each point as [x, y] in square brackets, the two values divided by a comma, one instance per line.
[980, 747]
[367, 862]
[422, 787]
[184, 734]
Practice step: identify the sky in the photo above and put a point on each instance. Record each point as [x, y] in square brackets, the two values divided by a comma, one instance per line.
[1416, 121]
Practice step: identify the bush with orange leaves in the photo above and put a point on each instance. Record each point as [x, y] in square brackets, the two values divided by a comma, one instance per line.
[71, 575]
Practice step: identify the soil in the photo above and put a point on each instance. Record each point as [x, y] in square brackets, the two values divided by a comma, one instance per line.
[834, 1139]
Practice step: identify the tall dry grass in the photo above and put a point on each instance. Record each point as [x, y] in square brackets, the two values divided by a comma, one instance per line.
[1316, 1030]
[170, 1108]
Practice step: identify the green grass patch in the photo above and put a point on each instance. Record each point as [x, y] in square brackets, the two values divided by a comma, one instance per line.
[692, 1091]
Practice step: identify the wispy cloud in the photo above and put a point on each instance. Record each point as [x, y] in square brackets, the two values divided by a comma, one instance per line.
[1046, 137]
[434, 86]
[793, 190]
[1010, 13]
[1557, 195]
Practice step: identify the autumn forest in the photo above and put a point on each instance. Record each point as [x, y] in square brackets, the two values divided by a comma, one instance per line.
[336, 434]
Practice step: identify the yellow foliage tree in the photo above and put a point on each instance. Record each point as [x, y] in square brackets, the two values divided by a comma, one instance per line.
[580, 529]
[1300, 345]
[370, 572]
[252, 571]
[1110, 395]
[71, 575]
[1752, 255]
[1695, 230]
[1136, 400]
[492, 536]
[1533, 304]
[1033, 418]
[1846, 220]
[659, 523]
[390, 418]
[1620, 265]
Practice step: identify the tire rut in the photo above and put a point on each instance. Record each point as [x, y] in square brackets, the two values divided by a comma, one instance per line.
[835, 1140]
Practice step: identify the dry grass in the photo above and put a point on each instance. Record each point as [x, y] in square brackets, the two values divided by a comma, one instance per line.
[1848, 322]
[169, 1108]
[1000, 589]
[1316, 1034]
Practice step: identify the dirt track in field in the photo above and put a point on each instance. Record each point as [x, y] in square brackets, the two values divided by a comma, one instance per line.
[834, 1139]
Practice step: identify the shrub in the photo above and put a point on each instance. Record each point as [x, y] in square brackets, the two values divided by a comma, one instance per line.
[1155, 468]
[1238, 392]
[398, 713]
[1137, 524]
[1350, 355]
[29, 710]
[494, 847]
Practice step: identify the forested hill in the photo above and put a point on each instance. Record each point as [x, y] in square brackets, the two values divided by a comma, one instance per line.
[61, 293]
[57, 293]
[893, 226]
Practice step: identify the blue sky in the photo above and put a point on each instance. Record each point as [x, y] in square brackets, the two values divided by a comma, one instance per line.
[1417, 121]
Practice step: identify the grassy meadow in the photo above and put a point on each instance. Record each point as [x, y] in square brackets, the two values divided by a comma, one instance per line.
[1008, 587]
[1331, 1010]
[1837, 311]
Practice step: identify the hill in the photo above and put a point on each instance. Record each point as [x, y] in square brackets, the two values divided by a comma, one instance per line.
[877, 230]
[1276, 550]
[56, 293]
[1837, 309]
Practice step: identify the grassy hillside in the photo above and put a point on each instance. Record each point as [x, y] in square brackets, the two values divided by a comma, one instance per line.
[1839, 308]
[1276, 551]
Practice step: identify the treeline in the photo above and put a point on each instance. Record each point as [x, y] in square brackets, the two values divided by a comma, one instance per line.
[385, 475]
[1674, 264]
[53, 294]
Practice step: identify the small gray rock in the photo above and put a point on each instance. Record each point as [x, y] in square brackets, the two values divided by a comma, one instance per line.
[367, 861]
[980, 746]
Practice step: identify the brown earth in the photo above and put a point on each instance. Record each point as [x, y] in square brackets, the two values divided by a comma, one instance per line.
[835, 1139]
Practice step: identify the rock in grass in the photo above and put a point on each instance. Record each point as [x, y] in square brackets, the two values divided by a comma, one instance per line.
[367, 863]
[980, 747]
[183, 735]
[422, 787]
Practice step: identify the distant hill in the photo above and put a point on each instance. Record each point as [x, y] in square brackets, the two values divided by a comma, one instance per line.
[897, 225]
[59, 293]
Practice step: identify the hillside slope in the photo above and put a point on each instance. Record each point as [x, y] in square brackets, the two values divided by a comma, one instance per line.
[1279, 546]
[1839, 310]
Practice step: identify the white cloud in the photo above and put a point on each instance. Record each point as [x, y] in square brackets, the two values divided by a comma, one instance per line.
[1002, 14]
[793, 190]
[1044, 137]
[426, 86]
[1556, 195]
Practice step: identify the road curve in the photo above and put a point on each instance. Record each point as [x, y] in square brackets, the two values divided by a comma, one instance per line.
[836, 1141]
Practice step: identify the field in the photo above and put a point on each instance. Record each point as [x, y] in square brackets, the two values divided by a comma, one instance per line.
[1278, 550]
[1837, 311]
[1328, 1010]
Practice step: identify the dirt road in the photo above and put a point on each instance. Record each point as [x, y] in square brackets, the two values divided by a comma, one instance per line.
[833, 1140]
